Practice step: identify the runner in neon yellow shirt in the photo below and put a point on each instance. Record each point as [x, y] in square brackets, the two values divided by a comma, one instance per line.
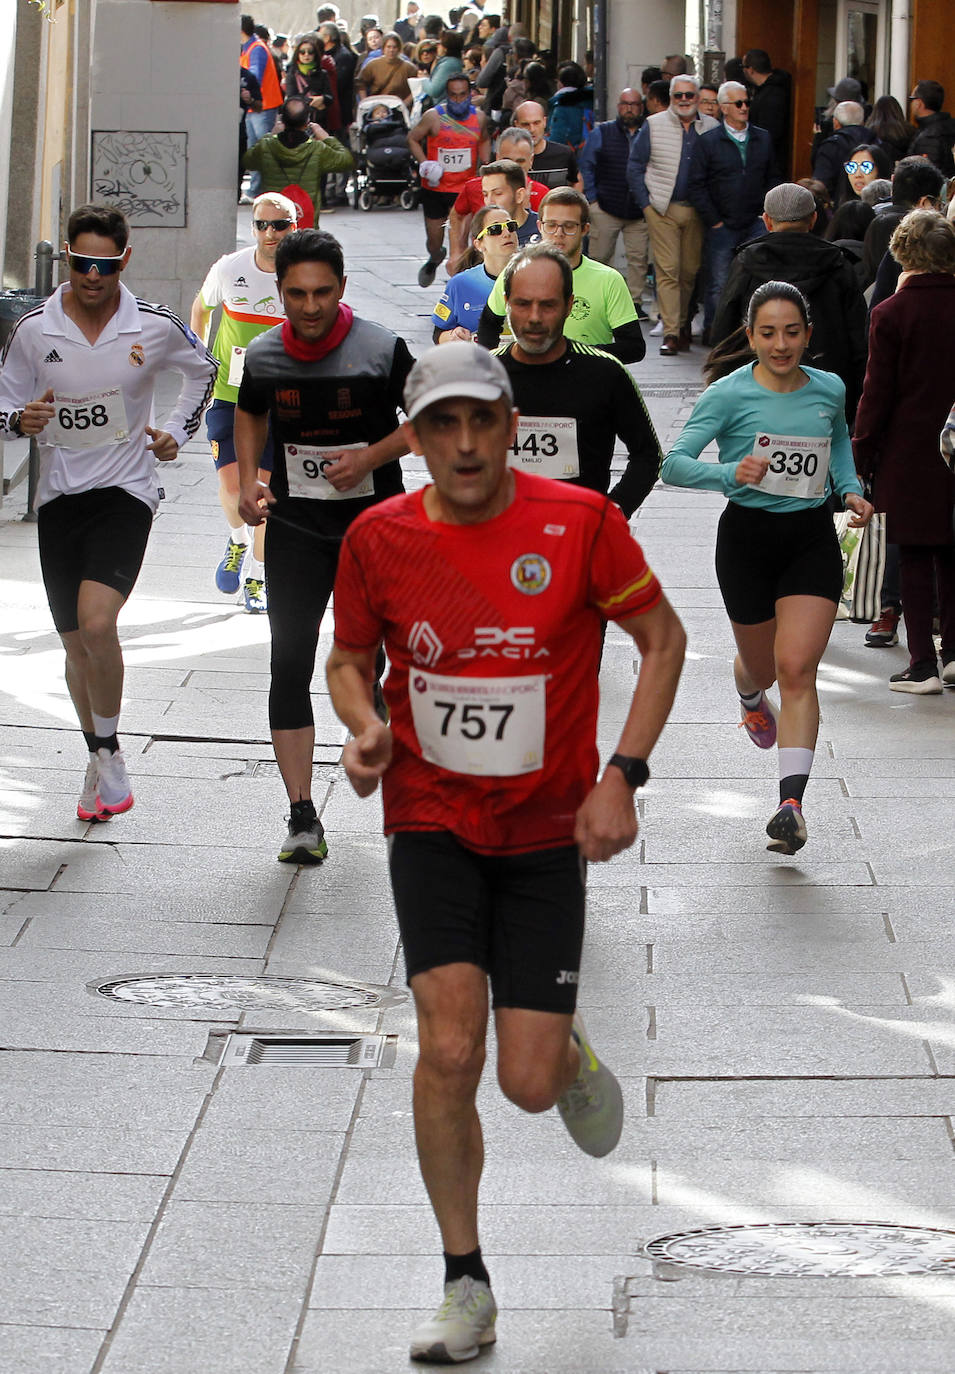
[603, 313]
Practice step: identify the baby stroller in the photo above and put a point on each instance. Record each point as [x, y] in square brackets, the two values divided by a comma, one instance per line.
[383, 161]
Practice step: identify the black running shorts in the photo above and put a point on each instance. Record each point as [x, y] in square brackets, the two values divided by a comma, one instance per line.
[90, 536]
[436, 204]
[519, 917]
[763, 555]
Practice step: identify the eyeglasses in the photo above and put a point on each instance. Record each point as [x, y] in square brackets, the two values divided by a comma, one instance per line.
[865, 167]
[279, 225]
[566, 227]
[84, 263]
[740, 104]
[685, 95]
[497, 228]
[306, 52]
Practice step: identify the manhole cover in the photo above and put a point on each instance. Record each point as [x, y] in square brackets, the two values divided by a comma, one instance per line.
[190, 990]
[811, 1249]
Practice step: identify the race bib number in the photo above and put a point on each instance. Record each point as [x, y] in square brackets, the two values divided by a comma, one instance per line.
[547, 447]
[484, 726]
[454, 159]
[88, 421]
[797, 467]
[236, 365]
[306, 473]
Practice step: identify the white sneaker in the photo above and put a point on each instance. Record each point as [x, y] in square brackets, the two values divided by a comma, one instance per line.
[89, 807]
[657, 329]
[462, 1324]
[592, 1107]
[115, 793]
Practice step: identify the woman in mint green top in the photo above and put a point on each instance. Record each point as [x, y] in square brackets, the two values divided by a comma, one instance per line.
[783, 446]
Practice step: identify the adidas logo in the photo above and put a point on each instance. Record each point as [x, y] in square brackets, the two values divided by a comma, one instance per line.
[241, 281]
[53, 357]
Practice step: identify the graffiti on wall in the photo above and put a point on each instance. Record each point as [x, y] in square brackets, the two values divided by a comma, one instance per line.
[142, 174]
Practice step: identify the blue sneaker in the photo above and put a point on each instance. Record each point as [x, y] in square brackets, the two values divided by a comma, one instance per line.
[229, 571]
[256, 600]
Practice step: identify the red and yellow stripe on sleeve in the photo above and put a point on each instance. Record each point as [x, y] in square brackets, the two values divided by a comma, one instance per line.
[636, 597]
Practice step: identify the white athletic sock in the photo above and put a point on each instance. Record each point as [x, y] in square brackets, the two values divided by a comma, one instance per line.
[255, 569]
[105, 726]
[240, 535]
[795, 761]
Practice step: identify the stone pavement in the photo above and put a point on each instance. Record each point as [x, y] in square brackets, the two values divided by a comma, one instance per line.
[783, 1028]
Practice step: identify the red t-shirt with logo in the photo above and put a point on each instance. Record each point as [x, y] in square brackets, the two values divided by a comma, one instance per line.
[493, 636]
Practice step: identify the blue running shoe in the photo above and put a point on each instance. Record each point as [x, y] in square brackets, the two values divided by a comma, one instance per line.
[229, 571]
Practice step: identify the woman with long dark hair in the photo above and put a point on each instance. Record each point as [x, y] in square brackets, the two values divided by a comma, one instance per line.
[783, 448]
[887, 121]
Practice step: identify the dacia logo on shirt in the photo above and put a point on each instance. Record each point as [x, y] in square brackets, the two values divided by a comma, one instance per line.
[512, 641]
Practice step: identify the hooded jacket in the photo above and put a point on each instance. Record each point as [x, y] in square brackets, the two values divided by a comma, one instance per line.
[302, 165]
[828, 281]
[934, 140]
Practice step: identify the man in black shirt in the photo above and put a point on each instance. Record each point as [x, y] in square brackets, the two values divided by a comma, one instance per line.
[554, 163]
[332, 385]
[574, 401]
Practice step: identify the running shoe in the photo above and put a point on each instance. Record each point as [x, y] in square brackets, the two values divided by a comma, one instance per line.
[920, 678]
[256, 600]
[115, 793]
[89, 807]
[786, 828]
[427, 270]
[592, 1107]
[948, 672]
[657, 329]
[462, 1324]
[760, 724]
[229, 571]
[884, 633]
[304, 846]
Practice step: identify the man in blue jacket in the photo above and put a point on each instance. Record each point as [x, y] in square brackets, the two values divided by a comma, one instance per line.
[731, 170]
[613, 209]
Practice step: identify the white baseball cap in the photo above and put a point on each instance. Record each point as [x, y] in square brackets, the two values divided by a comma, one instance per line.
[455, 369]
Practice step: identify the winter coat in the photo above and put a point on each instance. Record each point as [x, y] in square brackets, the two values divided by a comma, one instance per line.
[304, 165]
[905, 402]
[934, 140]
[769, 110]
[571, 115]
[828, 281]
[722, 187]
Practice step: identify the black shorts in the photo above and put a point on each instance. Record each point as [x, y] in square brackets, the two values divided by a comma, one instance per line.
[436, 204]
[519, 917]
[762, 555]
[90, 536]
[220, 422]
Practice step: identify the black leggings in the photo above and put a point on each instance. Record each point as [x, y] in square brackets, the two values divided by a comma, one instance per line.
[300, 566]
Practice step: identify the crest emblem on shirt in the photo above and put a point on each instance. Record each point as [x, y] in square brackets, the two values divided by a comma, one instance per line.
[344, 398]
[531, 573]
[137, 355]
[580, 308]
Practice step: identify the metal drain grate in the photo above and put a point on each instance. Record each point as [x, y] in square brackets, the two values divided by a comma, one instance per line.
[255, 993]
[250, 1049]
[810, 1249]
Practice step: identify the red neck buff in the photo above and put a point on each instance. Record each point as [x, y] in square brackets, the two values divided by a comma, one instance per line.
[304, 352]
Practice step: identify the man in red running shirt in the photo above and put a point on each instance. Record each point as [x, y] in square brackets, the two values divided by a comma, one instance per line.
[489, 589]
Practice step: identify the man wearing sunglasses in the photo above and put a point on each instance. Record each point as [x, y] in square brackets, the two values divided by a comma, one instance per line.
[730, 173]
[244, 285]
[658, 171]
[79, 374]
